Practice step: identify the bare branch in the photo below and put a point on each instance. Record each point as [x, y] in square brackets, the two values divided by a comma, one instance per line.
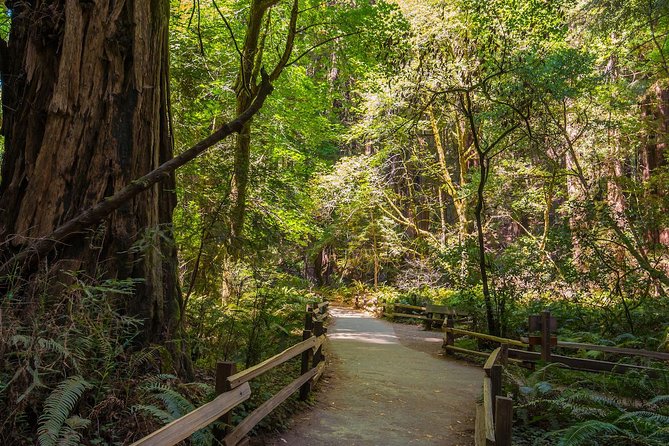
[98, 212]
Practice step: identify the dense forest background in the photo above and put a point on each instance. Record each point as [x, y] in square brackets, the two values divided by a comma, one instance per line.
[498, 156]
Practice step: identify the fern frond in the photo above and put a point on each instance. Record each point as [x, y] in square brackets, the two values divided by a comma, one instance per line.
[200, 388]
[588, 397]
[203, 437]
[69, 437]
[659, 400]
[53, 346]
[77, 422]
[175, 403]
[141, 359]
[158, 413]
[652, 417]
[587, 433]
[57, 408]
[17, 339]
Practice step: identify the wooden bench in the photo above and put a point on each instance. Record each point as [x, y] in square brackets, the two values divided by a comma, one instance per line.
[436, 315]
[433, 316]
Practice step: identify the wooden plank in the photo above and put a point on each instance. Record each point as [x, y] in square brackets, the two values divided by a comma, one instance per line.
[308, 320]
[588, 365]
[224, 369]
[319, 342]
[304, 367]
[503, 420]
[535, 323]
[496, 381]
[201, 417]
[449, 323]
[264, 409]
[488, 411]
[536, 340]
[246, 441]
[445, 310]
[617, 350]
[545, 336]
[479, 426]
[492, 360]
[258, 369]
[504, 354]
[319, 331]
[416, 316]
[410, 307]
[319, 372]
[486, 336]
[465, 351]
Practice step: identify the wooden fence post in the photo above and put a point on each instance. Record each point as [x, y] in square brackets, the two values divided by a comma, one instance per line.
[224, 369]
[504, 354]
[450, 338]
[546, 336]
[304, 368]
[503, 420]
[318, 355]
[496, 380]
[308, 320]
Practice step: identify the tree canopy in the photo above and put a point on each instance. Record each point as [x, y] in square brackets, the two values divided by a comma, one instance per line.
[180, 177]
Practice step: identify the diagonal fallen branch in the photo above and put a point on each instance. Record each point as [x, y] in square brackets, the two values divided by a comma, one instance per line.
[98, 212]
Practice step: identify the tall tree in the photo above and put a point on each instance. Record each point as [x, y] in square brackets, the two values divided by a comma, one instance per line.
[86, 111]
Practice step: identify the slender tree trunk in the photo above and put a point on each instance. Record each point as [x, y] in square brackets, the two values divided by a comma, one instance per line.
[453, 189]
[652, 156]
[483, 267]
[86, 111]
[467, 107]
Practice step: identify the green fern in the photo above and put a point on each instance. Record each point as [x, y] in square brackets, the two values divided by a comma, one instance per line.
[658, 420]
[660, 400]
[57, 407]
[156, 412]
[587, 433]
[175, 405]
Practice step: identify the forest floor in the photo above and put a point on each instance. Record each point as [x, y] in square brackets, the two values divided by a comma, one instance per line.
[386, 384]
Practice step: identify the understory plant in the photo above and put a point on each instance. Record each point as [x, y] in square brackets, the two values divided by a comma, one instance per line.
[555, 406]
[70, 369]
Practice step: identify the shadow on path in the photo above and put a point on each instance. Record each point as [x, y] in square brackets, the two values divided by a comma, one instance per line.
[378, 391]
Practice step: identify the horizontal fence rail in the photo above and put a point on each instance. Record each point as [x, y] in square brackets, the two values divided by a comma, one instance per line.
[494, 417]
[548, 343]
[233, 388]
[201, 417]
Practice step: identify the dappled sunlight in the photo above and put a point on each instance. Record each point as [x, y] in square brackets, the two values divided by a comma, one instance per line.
[366, 337]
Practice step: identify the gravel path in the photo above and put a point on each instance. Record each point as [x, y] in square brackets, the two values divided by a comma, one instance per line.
[387, 385]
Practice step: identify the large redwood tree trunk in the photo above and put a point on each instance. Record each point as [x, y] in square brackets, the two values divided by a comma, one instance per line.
[85, 104]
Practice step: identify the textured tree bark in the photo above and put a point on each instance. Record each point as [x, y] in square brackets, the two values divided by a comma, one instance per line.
[655, 113]
[86, 111]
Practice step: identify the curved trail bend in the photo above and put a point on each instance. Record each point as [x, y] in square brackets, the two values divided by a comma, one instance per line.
[387, 386]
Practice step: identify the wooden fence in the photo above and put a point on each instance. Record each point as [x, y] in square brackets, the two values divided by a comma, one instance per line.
[429, 314]
[233, 388]
[495, 415]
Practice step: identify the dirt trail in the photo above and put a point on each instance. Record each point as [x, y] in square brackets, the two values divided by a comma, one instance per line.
[386, 385]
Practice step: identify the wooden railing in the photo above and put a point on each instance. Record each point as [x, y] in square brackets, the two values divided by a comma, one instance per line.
[548, 343]
[494, 417]
[233, 388]
[429, 314]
